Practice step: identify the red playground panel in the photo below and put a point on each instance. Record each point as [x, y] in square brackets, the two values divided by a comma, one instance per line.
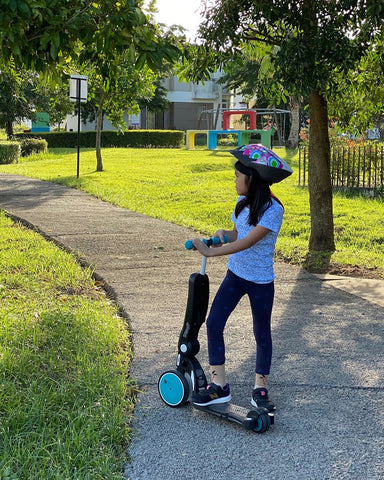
[228, 113]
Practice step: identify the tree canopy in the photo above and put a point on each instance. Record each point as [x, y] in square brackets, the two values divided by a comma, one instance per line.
[313, 37]
[358, 102]
[115, 42]
[42, 35]
[37, 34]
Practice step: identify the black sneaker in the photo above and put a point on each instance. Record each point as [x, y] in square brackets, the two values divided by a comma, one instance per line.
[213, 393]
[260, 399]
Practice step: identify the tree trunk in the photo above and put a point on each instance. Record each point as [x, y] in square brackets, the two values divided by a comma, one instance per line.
[278, 128]
[9, 129]
[319, 177]
[99, 127]
[293, 139]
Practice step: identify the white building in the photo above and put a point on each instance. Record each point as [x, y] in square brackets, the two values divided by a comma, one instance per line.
[193, 106]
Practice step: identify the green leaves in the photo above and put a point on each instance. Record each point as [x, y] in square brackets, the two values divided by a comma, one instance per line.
[37, 32]
[357, 99]
[314, 37]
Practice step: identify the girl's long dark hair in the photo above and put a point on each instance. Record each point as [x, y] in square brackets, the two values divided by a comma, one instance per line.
[259, 196]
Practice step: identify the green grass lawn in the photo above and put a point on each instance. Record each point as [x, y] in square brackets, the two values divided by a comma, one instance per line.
[65, 397]
[195, 189]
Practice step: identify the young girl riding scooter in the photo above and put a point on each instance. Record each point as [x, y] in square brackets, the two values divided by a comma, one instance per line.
[257, 220]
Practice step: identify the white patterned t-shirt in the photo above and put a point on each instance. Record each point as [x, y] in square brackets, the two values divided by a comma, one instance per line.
[256, 263]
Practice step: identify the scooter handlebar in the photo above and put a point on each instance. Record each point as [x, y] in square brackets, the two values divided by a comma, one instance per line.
[208, 241]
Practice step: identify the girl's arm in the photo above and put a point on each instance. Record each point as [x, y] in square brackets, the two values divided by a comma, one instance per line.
[255, 235]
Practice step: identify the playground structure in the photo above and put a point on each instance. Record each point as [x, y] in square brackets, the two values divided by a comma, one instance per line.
[243, 136]
[259, 116]
[40, 123]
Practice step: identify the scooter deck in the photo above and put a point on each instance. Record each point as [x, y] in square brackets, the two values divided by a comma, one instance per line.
[235, 413]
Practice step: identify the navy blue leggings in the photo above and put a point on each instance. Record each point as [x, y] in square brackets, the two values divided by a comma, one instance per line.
[227, 297]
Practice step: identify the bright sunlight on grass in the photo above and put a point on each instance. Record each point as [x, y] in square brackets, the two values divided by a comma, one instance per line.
[64, 355]
[196, 189]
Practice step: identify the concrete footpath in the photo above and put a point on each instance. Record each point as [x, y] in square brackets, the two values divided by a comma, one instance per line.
[328, 366]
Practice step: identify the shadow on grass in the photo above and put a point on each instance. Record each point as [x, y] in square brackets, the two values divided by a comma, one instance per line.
[359, 192]
[72, 181]
[60, 152]
[290, 154]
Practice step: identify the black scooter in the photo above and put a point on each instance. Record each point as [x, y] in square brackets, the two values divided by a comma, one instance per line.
[176, 387]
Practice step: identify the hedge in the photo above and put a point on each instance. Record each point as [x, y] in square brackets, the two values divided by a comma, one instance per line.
[130, 138]
[30, 146]
[9, 152]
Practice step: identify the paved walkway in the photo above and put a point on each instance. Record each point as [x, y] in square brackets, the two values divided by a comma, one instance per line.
[328, 367]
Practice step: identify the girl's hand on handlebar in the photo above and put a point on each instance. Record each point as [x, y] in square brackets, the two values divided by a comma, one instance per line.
[201, 247]
[220, 234]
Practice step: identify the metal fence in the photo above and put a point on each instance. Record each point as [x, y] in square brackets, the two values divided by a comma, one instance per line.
[352, 167]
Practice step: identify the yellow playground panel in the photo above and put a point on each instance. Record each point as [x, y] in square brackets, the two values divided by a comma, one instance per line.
[191, 135]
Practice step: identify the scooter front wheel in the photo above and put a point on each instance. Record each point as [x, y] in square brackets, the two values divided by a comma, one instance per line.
[258, 420]
[173, 388]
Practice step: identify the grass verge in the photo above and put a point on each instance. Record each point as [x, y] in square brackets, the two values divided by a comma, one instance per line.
[195, 188]
[64, 357]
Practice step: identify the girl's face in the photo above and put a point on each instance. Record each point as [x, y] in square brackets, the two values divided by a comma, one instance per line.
[242, 183]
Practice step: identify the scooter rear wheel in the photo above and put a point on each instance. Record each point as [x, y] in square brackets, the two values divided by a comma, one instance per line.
[173, 388]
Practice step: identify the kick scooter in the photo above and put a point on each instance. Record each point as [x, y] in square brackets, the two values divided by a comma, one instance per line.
[176, 387]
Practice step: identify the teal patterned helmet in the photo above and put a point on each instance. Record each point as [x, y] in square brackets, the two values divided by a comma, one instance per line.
[270, 167]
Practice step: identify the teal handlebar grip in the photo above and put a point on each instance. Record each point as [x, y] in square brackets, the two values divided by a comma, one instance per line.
[207, 241]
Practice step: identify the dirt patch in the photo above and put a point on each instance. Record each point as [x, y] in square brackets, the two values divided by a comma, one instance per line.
[355, 271]
[322, 264]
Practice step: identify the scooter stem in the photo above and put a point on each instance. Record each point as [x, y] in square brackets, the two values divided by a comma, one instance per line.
[203, 265]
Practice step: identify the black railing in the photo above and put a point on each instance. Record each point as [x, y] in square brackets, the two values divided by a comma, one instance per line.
[351, 167]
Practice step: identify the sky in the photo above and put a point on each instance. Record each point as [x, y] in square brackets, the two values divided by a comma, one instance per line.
[180, 12]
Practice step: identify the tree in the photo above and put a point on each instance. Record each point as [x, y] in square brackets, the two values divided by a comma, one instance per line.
[23, 94]
[159, 102]
[120, 78]
[18, 97]
[295, 107]
[97, 35]
[57, 104]
[114, 96]
[314, 39]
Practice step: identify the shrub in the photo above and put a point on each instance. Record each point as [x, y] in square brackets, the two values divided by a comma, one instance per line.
[227, 140]
[30, 146]
[9, 152]
[130, 138]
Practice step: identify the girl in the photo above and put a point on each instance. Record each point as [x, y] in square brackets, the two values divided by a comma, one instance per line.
[257, 220]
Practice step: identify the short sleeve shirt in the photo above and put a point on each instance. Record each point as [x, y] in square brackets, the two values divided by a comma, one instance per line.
[256, 263]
